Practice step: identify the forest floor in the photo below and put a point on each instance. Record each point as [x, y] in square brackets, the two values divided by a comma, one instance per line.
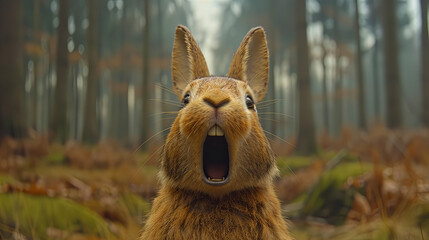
[371, 185]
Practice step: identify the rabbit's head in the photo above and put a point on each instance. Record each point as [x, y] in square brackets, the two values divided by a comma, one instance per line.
[216, 144]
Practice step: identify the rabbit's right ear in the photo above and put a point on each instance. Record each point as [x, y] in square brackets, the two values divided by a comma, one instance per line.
[250, 62]
[188, 62]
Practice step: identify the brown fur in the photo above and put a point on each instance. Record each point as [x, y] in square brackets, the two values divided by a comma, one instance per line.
[246, 207]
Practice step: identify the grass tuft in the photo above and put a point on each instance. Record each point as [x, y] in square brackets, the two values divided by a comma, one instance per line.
[34, 216]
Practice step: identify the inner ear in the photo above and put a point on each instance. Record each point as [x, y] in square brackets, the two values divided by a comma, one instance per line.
[188, 62]
[250, 63]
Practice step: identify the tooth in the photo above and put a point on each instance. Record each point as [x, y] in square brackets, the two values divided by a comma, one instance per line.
[219, 131]
[216, 131]
[212, 131]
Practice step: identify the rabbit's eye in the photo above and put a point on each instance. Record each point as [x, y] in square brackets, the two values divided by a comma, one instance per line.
[249, 102]
[186, 99]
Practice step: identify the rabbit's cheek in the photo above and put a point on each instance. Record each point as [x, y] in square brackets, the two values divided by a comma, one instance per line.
[194, 124]
[236, 124]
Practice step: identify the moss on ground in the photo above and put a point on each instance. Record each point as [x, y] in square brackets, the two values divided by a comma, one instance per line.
[137, 207]
[290, 164]
[7, 179]
[32, 216]
[55, 157]
[329, 199]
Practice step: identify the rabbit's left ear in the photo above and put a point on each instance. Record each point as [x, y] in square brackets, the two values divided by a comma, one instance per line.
[188, 62]
[250, 62]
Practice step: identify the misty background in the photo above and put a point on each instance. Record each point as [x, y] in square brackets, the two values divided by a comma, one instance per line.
[92, 70]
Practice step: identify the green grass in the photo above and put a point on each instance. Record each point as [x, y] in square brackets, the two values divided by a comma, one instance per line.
[55, 157]
[33, 215]
[7, 179]
[137, 207]
[288, 165]
[329, 199]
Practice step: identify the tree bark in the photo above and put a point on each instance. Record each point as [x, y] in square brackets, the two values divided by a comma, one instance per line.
[338, 84]
[375, 66]
[324, 77]
[325, 90]
[425, 63]
[306, 137]
[59, 122]
[146, 74]
[391, 66]
[12, 107]
[90, 130]
[360, 80]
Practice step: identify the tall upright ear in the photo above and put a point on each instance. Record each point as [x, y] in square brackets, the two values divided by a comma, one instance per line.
[188, 62]
[250, 62]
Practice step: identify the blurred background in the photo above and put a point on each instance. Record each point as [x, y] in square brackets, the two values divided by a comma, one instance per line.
[86, 102]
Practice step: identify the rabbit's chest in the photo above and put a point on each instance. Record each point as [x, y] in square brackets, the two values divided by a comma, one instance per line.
[226, 220]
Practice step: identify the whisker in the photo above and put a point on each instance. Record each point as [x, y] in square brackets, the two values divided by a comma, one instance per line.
[270, 119]
[174, 103]
[138, 148]
[271, 100]
[268, 102]
[170, 118]
[272, 134]
[165, 88]
[265, 105]
[140, 167]
[276, 113]
[151, 155]
[168, 112]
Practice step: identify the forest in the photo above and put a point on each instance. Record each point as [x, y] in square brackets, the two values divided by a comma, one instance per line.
[86, 102]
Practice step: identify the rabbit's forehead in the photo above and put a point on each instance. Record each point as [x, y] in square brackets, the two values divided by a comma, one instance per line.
[233, 86]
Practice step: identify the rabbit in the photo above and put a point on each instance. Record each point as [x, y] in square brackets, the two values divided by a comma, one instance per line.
[217, 166]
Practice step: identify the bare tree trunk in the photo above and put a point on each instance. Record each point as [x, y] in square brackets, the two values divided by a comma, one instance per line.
[325, 91]
[324, 78]
[425, 63]
[338, 88]
[360, 80]
[393, 82]
[338, 106]
[306, 138]
[90, 129]
[375, 66]
[124, 113]
[34, 110]
[60, 123]
[12, 107]
[146, 74]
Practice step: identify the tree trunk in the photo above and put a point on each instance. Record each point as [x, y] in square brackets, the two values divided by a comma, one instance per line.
[338, 106]
[360, 80]
[375, 66]
[425, 63]
[306, 138]
[325, 91]
[60, 123]
[33, 114]
[12, 107]
[324, 77]
[90, 130]
[338, 87]
[146, 74]
[391, 66]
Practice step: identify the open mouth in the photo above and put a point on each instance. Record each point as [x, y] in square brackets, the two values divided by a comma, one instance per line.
[215, 157]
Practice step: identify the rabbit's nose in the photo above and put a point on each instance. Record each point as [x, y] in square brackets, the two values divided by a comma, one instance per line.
[216, 99]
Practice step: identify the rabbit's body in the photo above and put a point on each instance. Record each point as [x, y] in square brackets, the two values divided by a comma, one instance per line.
[217, 165]
[246, 214]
